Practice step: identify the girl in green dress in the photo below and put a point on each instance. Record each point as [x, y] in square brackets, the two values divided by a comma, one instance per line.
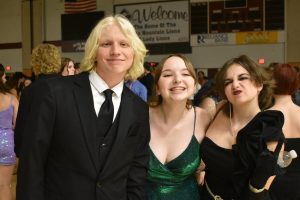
[177, 129]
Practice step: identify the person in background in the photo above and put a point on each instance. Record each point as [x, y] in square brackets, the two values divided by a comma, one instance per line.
[286, 187]
[8, 112]
[296, 95]
[206, 86]
[15, 83]
[77, 68]
[209, 101]
[239, 143]
[67, 67]
[147, 79]
[45, 63]
[137, 87]
[197, 88]
[177, 129]
[27, 82]
[202, 79]
[91, 133]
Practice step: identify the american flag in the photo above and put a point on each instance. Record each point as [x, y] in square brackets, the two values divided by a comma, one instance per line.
[80, 6]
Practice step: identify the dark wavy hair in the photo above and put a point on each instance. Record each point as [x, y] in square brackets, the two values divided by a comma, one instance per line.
[257, 73]
[3, 87]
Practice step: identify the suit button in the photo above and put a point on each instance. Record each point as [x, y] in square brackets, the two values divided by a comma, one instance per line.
[99, 185]
[102, 145]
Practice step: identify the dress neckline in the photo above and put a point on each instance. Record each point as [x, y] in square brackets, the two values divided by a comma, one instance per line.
[193, 137]
[177, 157]
[239, 133]
[212, 142]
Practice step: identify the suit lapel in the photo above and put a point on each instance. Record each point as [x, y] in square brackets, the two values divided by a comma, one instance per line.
[125, 121]
[85, 105]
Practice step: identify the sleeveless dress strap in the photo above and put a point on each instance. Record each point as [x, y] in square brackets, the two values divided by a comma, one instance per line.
[194, 120]
[11, 100]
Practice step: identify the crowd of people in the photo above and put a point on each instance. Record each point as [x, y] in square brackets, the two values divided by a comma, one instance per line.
[111, 127]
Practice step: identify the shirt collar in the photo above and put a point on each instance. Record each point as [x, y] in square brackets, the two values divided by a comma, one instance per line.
[100, 85]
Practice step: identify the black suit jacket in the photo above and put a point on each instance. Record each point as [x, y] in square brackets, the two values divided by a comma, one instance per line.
[59, 155]
[28, 94]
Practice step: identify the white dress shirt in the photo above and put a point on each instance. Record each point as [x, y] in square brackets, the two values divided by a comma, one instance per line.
[98, 85]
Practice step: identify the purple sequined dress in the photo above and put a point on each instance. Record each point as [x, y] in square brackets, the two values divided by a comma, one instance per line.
[7, 154]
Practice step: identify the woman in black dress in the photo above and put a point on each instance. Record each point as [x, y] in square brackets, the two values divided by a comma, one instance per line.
[243, 141]
[287, 187]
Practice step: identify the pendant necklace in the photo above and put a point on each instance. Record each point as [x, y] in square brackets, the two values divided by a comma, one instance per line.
[230, 122]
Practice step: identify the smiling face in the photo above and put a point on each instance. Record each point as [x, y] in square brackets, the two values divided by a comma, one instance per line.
[239, 86]
[175, 82]
[114, 55]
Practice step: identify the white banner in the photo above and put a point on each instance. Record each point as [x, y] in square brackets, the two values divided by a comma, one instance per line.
[159, 22]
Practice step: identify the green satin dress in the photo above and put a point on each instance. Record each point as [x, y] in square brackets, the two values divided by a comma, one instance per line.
[176, 179]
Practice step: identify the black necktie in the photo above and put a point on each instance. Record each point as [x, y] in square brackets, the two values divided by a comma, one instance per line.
[106, 113]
